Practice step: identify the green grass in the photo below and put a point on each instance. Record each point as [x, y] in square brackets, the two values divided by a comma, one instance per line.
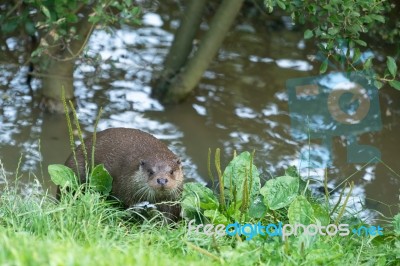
[85, 230]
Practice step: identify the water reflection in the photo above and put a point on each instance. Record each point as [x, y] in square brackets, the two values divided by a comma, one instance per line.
[299, 65]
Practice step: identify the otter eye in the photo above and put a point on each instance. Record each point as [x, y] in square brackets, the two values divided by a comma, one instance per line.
[179, 161]
[141, 162]
[151, 172]
[171, 172]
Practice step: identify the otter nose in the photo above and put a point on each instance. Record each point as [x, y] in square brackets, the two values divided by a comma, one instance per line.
[162, 181]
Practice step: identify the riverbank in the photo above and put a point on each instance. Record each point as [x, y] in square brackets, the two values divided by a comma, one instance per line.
[86, 230]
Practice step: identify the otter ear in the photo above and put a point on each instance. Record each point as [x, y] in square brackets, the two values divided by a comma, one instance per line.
[142, 162]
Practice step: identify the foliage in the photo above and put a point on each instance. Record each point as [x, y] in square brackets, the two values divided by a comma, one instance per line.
[241, 179]
[84, 229]
[280, 192]
[341, 27]
[99, 178]
[280, 198]
[63, 176]
[62, 20]
[285, 199]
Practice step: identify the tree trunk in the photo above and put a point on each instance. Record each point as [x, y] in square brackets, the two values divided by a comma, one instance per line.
[181, 46]
[185, 82]
[58, 65]
[59, 76]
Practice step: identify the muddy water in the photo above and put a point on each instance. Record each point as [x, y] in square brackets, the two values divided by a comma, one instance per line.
[240, 104]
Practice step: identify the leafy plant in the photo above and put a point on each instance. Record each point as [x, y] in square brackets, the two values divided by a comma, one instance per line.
[63, 176]
[340, 26]
[280, 192]
[284, 198]
[98, 178]
[62, 19]
[241, 180]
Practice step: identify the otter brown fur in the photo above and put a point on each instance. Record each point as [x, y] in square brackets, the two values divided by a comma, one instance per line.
[142, 167]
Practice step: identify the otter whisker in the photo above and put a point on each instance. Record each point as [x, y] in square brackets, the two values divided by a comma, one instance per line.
[142, 193]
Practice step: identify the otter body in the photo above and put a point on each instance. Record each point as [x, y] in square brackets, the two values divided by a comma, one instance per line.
[142, 167]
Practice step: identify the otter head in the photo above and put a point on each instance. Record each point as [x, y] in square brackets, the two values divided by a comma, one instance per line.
[161, 179]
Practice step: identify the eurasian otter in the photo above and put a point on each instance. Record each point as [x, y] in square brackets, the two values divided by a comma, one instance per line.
[142, 167]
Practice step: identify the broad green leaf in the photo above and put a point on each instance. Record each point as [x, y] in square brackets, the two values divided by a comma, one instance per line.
[395, 84]
[46, 12]
[100, 180]
[392, 66]
[195, 196]
[62, 175]
[378, 84]
[324, 66]
[94, 18]
[257, 208]
[300, 211]
[308, 34]
[312, 8]
[368, 62]
[360, 42]
[357, 55]
[280, 192]
[378, 18]
[319, 32]
[215, 217]
[333, 31]
[351, 45]
[71, 18]
[281, 4]
[237, 173]
[329, 45]
[321, 214]
[135, 11]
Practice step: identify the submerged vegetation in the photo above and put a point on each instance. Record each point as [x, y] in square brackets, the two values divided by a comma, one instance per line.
[85, 229]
